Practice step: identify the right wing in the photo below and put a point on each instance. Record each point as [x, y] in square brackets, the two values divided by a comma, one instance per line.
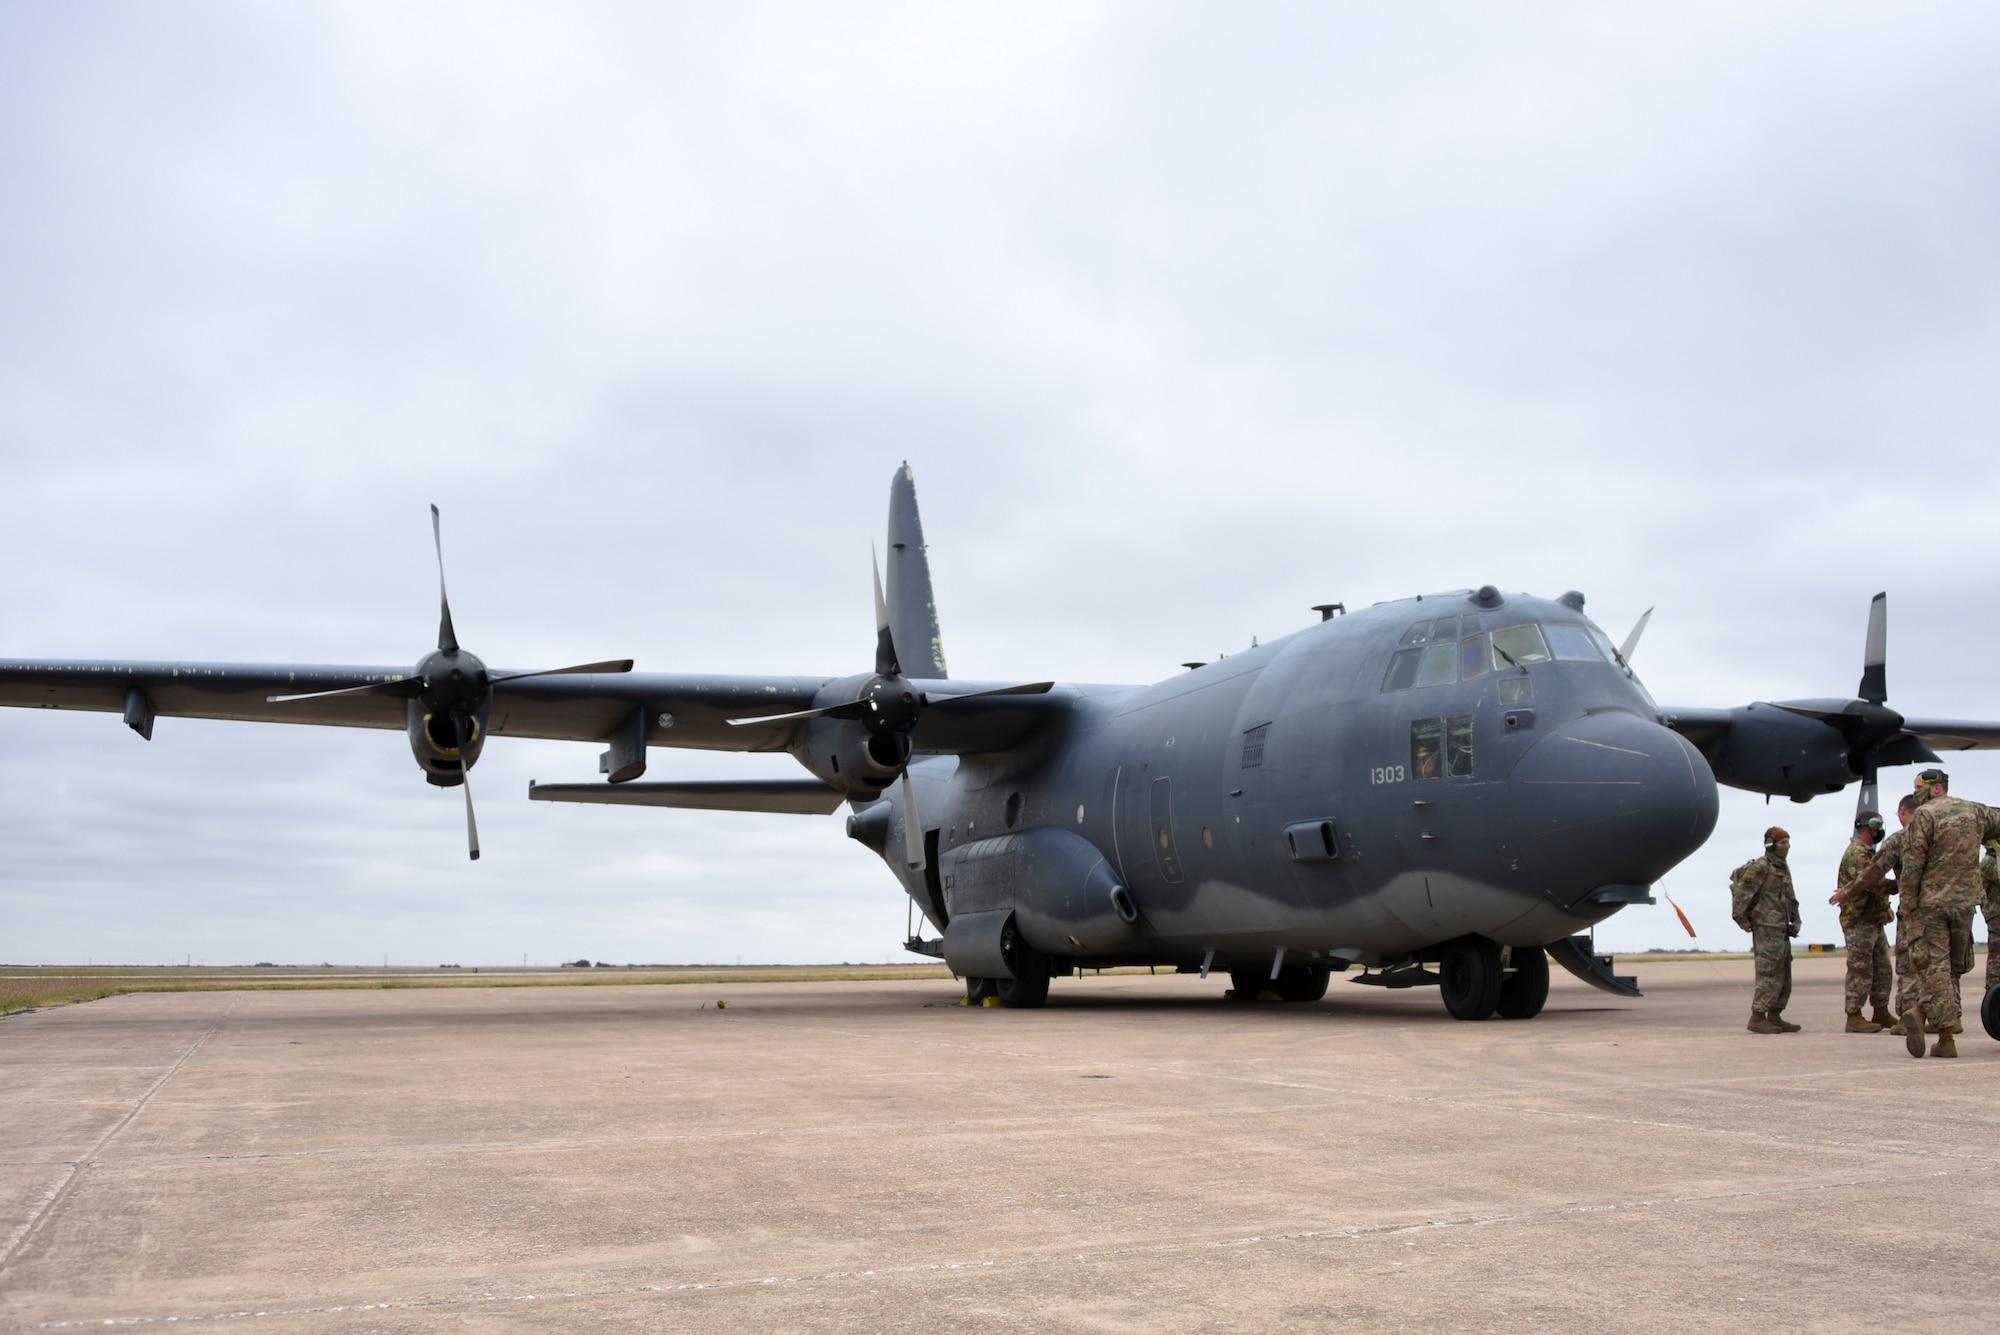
[682, 710]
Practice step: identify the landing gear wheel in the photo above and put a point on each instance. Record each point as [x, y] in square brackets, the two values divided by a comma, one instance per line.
[1247, 983]
[1989, 1010]
[978, 989]
[1025, 991]
[1302, 982]
[1470, 977]
[1526, 990]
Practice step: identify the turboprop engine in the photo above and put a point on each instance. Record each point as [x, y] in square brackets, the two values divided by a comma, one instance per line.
[450, 694]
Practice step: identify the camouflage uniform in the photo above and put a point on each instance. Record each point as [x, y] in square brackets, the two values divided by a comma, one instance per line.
[1878, 879]
[1940, 883]
[1763, 904]
[1862, 915]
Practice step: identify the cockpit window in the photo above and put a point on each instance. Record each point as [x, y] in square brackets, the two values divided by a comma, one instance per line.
[1438, 666]
[1519, 646]
[1458, 746]
[1603, 642]
[1473, 658]
[1417, 634]
[1426, 741]
[1402, 673]
[1444, 628]
[1572, 644]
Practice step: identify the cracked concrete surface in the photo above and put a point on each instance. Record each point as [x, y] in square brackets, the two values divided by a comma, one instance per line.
[867, 1156]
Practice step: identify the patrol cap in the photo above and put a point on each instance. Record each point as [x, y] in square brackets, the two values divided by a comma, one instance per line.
[1774, 834]
[1925, 778]
[1869, 820]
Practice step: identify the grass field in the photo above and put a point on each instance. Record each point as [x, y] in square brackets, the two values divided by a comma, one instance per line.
[30, 987]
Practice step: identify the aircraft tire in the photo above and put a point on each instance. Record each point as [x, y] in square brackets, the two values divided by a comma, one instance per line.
[1023, 993]
[1303, 982]
[1989, 1010]
[978, 989]
[1526, 990]
[1470, 977]
[1245, 984]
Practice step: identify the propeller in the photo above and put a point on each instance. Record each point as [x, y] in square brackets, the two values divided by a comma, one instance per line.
[1632, 639]
[888, 706]
[453, 687]
[1866, 722]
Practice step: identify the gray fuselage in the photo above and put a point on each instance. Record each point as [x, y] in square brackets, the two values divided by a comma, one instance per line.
[1300, 796]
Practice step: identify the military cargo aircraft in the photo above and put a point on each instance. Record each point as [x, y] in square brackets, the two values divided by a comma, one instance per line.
[1470, 780]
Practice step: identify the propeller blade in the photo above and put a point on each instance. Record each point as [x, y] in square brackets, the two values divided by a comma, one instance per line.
[850, 710]
[608, 665]
[460, 725]
[1869, 797]
[1632, 640]
[913, 826]
[447, 637]
[886, 664]
[404, 688]
[1026, 688]
[1874, 686]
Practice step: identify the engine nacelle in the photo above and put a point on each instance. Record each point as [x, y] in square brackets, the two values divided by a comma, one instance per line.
[434, 742]
[850, 757]
[1772, 750]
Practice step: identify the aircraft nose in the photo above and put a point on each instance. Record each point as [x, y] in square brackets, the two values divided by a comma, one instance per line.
[1608, 799]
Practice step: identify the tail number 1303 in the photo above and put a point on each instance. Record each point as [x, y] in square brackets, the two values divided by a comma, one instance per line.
[1387, 774]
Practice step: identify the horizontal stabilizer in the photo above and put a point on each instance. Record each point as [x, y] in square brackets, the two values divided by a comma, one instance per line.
[805, 797]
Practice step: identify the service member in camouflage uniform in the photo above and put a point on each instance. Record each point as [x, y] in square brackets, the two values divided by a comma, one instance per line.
[1861, 922]
[1939, 879]
[1763, 904]
[1879, 877]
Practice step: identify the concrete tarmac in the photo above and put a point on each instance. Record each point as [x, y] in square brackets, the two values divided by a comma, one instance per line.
[869, 1156]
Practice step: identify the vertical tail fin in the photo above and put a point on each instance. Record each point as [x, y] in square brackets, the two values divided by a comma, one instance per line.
[913, 621]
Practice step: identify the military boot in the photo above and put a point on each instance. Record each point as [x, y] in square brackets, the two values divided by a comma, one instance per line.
[1944, 1047]
[1857, 1025]
[1784, 1026]
[1913, 1031]
[1881, 1019]
[1760, 1023]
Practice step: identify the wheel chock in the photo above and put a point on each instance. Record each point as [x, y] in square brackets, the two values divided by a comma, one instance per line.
[990, 1002]
[963, 1001]
[722, 1005]
[1229, 994]
[1268, 995]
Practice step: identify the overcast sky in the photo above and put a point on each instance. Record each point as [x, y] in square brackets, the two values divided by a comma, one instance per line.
[1187, 318]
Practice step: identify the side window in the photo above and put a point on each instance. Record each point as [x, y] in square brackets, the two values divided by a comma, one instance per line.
[1518, 646]
[1473, 657]
[1458, 746]
[1426, 735]
[1439, 665]
[1516, 690]
[1253, 746]
[1573, 644]
[1402, 673]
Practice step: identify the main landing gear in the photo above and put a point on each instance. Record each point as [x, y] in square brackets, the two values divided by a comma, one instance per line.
[1026, 990]
[1478, 981]
[1295, 982]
